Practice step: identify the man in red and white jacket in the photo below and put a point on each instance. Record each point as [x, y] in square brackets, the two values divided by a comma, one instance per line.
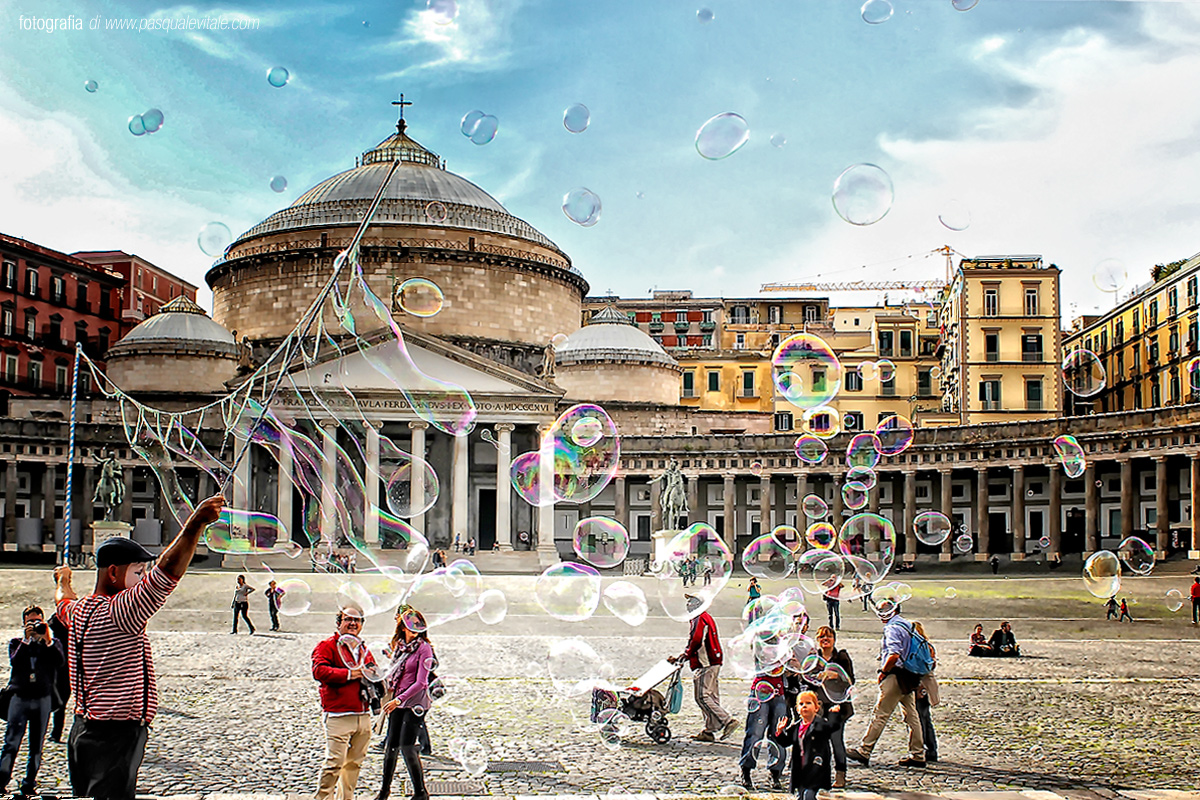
[338, 668]
[703, 654]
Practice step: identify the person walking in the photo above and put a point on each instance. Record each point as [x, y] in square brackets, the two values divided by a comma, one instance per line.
[831, 655]
[833, 604]
[62, 681]
[345, 705]
[35, 659]
[703, 654]
[927, 698]
[1196, 601]
[1125, 615]
[110, 658]
[241, 604]
[1111, 607]
[766, 708]
[274, 596]
[413, 661]
[995, 562]
[896, 687]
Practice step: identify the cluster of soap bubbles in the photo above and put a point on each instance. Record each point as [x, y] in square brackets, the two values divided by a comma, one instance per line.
[148, 122]
[695, 551]
[582, 206]
[859, 553]
[479, 127]
[578, 456]
[1102, 569]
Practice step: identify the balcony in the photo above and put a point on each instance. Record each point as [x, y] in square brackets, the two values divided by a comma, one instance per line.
[1032, 356]
[1033, 405]
[992, 356]
[682, 327]
[656, 327]
[708, 325]
[990, 405]
[887, 390]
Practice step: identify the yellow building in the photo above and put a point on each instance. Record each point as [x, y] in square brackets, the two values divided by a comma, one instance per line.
[1145, 343]
[1001, 340]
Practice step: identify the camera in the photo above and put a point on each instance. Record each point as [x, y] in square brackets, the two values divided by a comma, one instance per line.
[38, 628]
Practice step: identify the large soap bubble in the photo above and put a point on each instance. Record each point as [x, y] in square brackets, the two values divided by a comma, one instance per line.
[1102, 574]
[1083, 373]
[570, 592]
[810, 449]
[819, 571]
[626, 601]
[868, 542]
[575, 667]
[579, 472]
[863, 451]
[701, 542]
[1070, 454]
[767, 557]
[821, 535]
[814, 507]
[807, 373]
[722, 136]
[932, 527]
[895, 435]
[600, 541]
[862, 194]
[1136, 554]
[447, 593]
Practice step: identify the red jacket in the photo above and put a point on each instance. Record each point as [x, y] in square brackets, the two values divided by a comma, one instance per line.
[339, 694]
[703, 647]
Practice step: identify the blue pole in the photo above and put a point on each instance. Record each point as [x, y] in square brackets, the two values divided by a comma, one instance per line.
[67, 510]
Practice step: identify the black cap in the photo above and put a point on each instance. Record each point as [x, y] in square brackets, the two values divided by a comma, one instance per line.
[119, 551]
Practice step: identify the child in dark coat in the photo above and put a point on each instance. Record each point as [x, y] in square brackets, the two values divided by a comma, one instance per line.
[808, 737]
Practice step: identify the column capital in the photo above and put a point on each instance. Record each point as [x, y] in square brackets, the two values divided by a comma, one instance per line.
[328, 423]
[1159, 459]
[418, 425]
[729, 476]
[504, 426]
[373, 424]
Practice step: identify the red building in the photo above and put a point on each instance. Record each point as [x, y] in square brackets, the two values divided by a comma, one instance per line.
[146, 287]
[48, 302]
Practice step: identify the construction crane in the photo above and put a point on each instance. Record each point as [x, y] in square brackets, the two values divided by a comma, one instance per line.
[871, 286]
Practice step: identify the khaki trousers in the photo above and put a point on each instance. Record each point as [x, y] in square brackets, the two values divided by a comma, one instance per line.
[346, 741]
[889, 696]
[706, 683]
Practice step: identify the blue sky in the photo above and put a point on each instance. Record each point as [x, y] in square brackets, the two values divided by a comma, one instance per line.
[1070, 129]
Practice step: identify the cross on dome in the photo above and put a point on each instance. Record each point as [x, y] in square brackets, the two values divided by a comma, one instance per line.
[401, 124]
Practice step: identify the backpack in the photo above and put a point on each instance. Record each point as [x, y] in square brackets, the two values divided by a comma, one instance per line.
[919, 658]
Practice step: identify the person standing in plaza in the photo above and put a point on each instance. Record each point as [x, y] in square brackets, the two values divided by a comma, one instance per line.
[109, 655]
[1196, 600]
[896, 687]
[703, 654]
[752, 591]
[833, 604]
[274, 595]
[36, 660]
[241, 604]
[413, 661]
[345, 704]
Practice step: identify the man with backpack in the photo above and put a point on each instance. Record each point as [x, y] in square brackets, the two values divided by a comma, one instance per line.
[904, 658]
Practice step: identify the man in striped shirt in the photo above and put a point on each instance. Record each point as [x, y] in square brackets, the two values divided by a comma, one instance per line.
[108, 654]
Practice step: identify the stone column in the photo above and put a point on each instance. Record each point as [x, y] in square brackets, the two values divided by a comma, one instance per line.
[48, 493]
[1162, 521]
[983, 538]
[1129, 497]
[547, 549]
[1055, 508]
[729, 511]
[875, 495]
[242, 488]
[764, 503]
[656, 515]
[946, 487]
[371, 479]
[621, 503]
[1091, 507]
[416, 486]
[329, 517]
[1194, 551]
[1018, 512]
[283, 492]
[460, 523]
[910, 514]
[838, 503]
[801, 520]
[504, 531]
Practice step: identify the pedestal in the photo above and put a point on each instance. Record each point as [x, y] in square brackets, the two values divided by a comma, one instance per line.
[103, 530]
[661, 539]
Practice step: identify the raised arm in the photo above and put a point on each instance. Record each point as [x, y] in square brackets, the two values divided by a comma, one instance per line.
[175, 559]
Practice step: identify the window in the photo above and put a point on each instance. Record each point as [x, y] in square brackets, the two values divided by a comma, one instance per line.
[707, 340]
[906, 344]
[1173, 299]
[1119, 336]
[60, 378]
[989, 394]
[853, 381]
[30, 326]
[58, 289]
[1191, 290]
[1174, 387]
[1193, 334]
[1173, 340]
[925, 383]
[6, 322]
[810, 313]
[10, 368]
[714, 380]
[689, 384]
[55, 332]
[774, 315]
[818, 380]
[740, 315]
[885, 343]
[991, 302]
[1137, 358]
[1032, 306]
[10, 275]
[1155, 394]
[708, 315]
[1152, 314]
[1033, 394]
[931, 320]
[1121, 365]
[656, 316]
[81, 295]
[748, 384]
[888, 388]
[853, 421]
[31, 282]
[154, 283]
[1135, 320]
[991, 346]
[740, 342]
[1031, 347]
[35, 374]
[81, 331]
[1103, 340]
[783, 420]
[1152, 356]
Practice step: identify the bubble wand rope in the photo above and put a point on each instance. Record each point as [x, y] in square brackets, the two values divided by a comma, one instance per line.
[70, 456]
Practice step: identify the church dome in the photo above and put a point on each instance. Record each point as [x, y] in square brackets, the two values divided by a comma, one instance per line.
[610, 336]
[178, 350]
[179, 323]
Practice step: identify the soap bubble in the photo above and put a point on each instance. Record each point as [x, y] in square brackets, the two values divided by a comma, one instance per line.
[1083, 373]
[474, 758]
[824, 422]
[376, 592]
[932, 527]
[705, 15]
[484, 130]
[576, 118]
[152, 120]
[867, 371]
[821, 535]
[436, 212]
[448, 593]
[278, 77]
[214, 238]
[1136, 554]
[864, 475]
[766, 752]
[788, 536]
[886, 369]
[951, 593]
[420, 297]
[810, 449]
[778, 140]
[570, 592]
[626, 602]
[875, 12]
[1193, 373]
[136, 126]
[587, 431]
[863, 451]
[964, 543]
[1070, 453]
[1044, 542]
[818, 571]
[559, 340]
[1110, 275]
[768, 558]
[575, 668]
[955, 216]
[862, 194]
[1174, 600]
[814, 507]
[443, 12]
[722, 136]
[493, 607]
[854, 495]
[702, 542]
[806, 371]
[241, 532]
[91, 86]
[469, 121]
[964, 5]
[836, 683]
[401, 470]
[613, 726]
[868, 541]
[296, 598]
[278, 184]
[895, 435]
[351, 651]
[600, 541]
[1102, 574]
[582, 206]
[579, 473]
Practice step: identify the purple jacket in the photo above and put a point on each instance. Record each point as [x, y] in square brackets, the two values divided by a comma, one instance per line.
[410, 684]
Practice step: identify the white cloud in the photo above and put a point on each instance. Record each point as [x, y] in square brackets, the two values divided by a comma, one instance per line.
[478, 40]
[1102, 162]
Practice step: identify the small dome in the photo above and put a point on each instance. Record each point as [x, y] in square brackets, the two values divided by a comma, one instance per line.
[178, 324]
[610, 336]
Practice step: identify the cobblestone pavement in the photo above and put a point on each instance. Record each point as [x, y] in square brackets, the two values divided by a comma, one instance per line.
[1094, 708]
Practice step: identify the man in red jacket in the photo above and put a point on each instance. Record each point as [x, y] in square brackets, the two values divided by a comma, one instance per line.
[338, 668]
[703, 654]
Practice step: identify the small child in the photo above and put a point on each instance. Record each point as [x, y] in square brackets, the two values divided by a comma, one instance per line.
[1125, 615]
[1111, 607]
[808, 737]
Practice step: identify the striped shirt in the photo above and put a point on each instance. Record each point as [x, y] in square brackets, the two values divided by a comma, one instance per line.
[118, 669]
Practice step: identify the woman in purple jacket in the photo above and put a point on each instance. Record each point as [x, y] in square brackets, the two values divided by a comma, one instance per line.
[408, 680]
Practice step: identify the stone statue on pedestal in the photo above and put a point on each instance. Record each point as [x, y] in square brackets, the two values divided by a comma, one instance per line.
[110, 489]
[674, 495]
[548, 361]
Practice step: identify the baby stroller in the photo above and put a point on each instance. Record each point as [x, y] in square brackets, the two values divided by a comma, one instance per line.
[643, 702]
